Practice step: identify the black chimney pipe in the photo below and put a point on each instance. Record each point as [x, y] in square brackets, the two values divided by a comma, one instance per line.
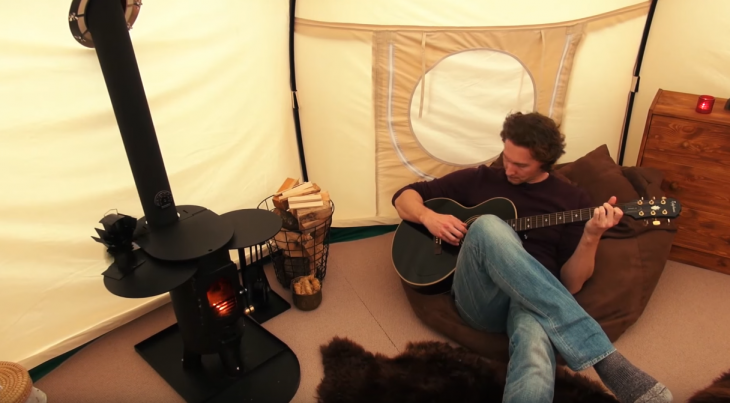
[106, 23]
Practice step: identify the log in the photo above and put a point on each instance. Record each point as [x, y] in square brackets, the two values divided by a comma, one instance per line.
[290, 243]
[308, 201]
[289, 183]
[288, 220]
[305, 188]
[280, 204]
[311, 217]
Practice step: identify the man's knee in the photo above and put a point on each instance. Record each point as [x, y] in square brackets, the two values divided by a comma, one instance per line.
[489, 221]
[489, 228]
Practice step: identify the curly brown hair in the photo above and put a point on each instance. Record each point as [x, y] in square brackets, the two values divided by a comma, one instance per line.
[538, 133]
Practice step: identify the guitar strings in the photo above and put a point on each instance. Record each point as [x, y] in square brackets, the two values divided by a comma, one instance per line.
[588, 210]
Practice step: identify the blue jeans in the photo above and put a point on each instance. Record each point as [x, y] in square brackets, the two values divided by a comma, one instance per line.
[499, 287]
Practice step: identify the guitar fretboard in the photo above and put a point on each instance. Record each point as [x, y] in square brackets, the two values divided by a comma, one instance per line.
[546, 220]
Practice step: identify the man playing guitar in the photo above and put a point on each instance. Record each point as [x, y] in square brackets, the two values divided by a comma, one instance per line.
[524, 286]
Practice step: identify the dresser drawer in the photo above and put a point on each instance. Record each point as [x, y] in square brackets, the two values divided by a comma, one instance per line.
[703, 231]
[704, 189]
[688, 142]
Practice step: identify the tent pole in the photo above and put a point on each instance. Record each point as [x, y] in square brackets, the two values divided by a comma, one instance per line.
[635, 83]
[293, 81]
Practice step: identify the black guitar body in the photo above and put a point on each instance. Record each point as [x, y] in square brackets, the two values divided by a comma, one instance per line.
[427, 265]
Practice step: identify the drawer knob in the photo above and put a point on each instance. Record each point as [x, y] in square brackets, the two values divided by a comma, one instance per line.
[674, 186]
[685, 144]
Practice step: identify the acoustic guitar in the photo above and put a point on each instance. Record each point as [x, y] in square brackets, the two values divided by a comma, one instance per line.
[427, 264]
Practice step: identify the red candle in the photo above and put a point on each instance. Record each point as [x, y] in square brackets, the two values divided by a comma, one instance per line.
[705, 104]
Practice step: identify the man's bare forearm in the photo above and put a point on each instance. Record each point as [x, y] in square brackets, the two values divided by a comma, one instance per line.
[579, 268]
[409, 205]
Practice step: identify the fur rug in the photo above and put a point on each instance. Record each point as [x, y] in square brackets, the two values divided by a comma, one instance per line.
[429, 372]
[718, 392]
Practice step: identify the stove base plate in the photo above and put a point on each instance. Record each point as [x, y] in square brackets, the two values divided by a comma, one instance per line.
[275, 305]
[271, 373]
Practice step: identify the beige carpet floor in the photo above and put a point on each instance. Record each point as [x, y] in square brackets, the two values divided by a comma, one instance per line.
[682, 338]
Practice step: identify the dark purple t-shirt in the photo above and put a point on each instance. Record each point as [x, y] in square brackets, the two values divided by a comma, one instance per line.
[552, 246]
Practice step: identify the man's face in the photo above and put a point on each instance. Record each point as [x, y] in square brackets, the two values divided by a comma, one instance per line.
[519, 165]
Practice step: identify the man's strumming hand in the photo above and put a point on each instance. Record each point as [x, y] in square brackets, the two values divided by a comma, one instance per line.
[447, 227]
[604, 218]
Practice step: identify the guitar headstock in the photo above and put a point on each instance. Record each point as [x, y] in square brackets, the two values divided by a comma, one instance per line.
[666, 207]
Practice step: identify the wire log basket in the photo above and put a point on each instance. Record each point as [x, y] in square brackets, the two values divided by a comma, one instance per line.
[298, 252]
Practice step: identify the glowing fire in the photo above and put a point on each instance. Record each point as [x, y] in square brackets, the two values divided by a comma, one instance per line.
[221, 297]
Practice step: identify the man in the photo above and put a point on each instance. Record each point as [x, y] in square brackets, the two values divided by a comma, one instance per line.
[522, 284]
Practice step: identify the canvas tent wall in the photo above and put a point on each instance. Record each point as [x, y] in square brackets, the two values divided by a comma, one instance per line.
[217, 81]
[344, 108]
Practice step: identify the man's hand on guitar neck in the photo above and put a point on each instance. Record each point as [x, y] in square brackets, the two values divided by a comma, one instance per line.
[603, 218]
[447, 227]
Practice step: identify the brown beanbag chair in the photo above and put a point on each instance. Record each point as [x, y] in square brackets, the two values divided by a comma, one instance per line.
[629, 261]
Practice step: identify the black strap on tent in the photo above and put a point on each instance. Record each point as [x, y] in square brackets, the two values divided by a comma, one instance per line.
[635, 83]
[294, 100]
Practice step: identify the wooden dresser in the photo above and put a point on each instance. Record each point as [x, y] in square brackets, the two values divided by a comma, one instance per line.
[693, 151]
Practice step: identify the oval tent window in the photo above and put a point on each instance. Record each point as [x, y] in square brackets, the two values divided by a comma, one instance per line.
[467, 97]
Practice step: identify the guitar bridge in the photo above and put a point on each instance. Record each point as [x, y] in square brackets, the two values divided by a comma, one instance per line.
[436, 246]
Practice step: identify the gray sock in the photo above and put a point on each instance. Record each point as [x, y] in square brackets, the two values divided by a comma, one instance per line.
[628, 383]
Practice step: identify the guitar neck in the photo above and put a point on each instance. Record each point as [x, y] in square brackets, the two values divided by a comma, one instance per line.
[546, 220]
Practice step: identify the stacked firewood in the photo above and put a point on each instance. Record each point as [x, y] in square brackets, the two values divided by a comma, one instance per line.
[303, 208]
[307, 204]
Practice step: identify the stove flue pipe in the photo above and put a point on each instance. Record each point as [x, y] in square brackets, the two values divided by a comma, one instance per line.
[108, 29]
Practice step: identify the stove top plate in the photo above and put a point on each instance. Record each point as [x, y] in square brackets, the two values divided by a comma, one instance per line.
[152, 277]
[196, 234]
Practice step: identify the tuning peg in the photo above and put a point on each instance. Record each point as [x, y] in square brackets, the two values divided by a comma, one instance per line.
[656, 222]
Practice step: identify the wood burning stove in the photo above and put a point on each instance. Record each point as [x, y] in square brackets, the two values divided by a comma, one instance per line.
[209, 312]
[216, 352]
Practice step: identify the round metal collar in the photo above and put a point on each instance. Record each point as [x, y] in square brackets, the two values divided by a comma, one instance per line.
[77, 19]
